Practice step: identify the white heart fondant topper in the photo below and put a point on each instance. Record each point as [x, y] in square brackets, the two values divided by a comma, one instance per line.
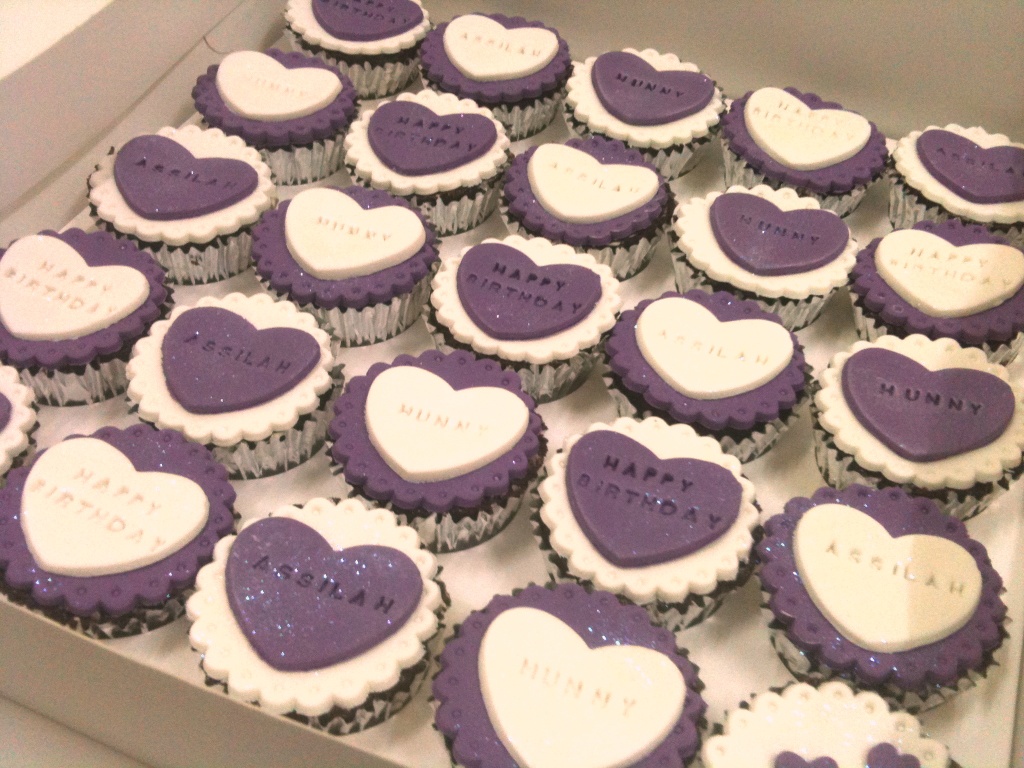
[943, 280]
[573, 186]
[427, 431]
[49, 293]
[799, 137]
[554, 702]
[259, 87]
[884, 594]
[86, 511]
[332, 237]
[705, 358]
[482, 49]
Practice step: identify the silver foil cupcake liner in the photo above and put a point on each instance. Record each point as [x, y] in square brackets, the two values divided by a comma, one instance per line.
[305, 164]
[92, 383]
[371, 81]
[451, 217]
[220, 259]
[529, 118]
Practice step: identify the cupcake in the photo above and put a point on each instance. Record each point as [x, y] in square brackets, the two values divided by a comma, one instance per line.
[445, 155]
[962, 173]
[655, 103]
[359, 260]
[561, 676]
[720, 364]
[187, 195]
[18, 420]
[936, 419]
[105, 533]
[829, 726]
[785, 138]
[514, 67]
[594, 194]
[292, 107]
[321, 613]
[71, 306]
[450, 443]
[769, 246]
[950, 279]
[376, 47]
[650, 512]
[538, 308]
[249, 377]
[883, 590]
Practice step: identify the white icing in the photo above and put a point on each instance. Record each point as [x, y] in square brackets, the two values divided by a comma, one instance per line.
[885, 594]
[705, 358]
[212, 142]
[943, 280]
[573, 186]
[559, 346]
[228, 655]
[671, 581]
[299, 16]
[147, 387]
[332, 237]
[260, 87]
[14, 436]
[799, 137]
[482, 49]
[692, 224]
[910, 167]
[49, 293]
[359, 154]
[587, 107]
[86, 511]
[985, 464]
[427, 431]
[555, 702]
[828, 721]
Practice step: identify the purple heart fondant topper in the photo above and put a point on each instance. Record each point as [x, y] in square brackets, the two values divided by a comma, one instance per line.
[215, 361]
[981, 175]
[159, 179]
[793, 760]
[366, 20]
[5, 412]
[413, 140]
[637, 509]
[765, 240]
[887, 756]
[509, 297]
[638, 94]
[303, 605]
[925, 415]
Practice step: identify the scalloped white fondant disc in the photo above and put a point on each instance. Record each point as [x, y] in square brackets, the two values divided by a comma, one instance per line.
[555, 702]
[259, 87]
[885, 594]
[482, 49]
[86, 511]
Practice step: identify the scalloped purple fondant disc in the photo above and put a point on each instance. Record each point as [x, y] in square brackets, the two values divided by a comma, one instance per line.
[303, 605]
[793, 760]
[925, 415]
[762, 238]
[413, 140]
[365, 20]
[637, 509]
[636, 93]
[982, 175]
[509, 297]
[5, 411]
[215, 361]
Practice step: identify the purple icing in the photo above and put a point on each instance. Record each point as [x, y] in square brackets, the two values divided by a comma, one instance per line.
[509, 297]
[5, 412]
[150, 450]
[97, 249]
[635, 92]
[366, 20]
[941, 663]
[793, 760]
[887, 756]
[304, 606]
[925, 415]
[600, 620]
[277, 267]
[987, 176]
[413, 140]
[639, 510]
[765, 240]
[215, 361]
[161, 180]
[742, 411]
